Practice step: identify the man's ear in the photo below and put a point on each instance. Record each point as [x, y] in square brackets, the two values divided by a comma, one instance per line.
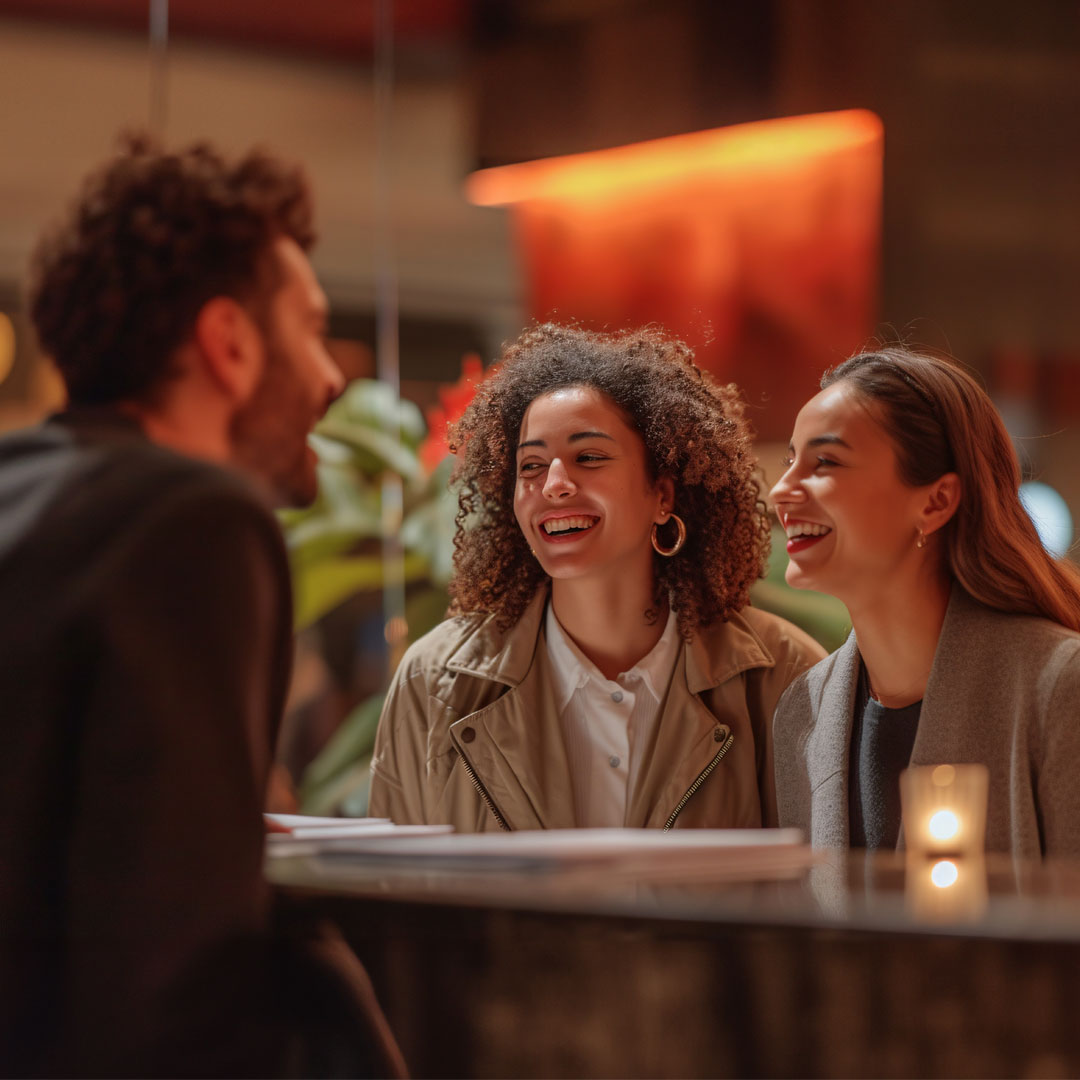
[666, 487]
[942, 501]
[231, 346]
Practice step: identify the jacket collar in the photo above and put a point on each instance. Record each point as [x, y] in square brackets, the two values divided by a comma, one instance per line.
[720, 652]
[714, 654]
[954, 679]
[833, 685]
[503, 656]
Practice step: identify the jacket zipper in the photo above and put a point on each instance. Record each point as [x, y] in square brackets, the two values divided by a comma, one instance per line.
[701, 779]
[483, 793]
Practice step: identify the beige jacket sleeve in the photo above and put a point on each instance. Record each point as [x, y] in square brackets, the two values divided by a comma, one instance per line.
[794, 652]
[399, 763]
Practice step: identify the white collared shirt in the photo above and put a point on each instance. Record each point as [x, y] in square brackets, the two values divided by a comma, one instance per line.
[607, 724]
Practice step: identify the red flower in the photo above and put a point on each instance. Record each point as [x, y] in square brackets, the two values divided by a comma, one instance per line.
[454, 400]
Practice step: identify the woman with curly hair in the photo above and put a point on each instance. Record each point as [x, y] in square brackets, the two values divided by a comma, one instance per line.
[602, 667]
[901, 498]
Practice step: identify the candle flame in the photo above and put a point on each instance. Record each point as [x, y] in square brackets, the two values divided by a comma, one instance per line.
[944, 825]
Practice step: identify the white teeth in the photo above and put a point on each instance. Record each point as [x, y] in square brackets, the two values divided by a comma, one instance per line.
[558, 525]
[805, 528]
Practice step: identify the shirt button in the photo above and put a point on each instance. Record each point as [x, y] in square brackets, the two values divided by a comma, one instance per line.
[617, 696]
[468, 735]
[613, 761]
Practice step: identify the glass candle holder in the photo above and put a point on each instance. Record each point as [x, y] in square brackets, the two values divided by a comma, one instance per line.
[944, 809]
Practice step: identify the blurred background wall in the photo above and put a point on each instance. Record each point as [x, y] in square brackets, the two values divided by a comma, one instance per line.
[976, 245]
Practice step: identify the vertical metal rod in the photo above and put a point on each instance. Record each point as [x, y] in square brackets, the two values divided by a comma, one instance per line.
[386, 327]
[159, 66]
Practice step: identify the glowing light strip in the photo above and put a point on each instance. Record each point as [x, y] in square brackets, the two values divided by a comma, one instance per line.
[640, 165]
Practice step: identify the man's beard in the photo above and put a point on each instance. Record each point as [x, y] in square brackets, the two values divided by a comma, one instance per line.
[269, 433]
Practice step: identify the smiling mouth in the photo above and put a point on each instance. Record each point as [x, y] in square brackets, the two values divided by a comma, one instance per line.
[568, 526]
[804, 534]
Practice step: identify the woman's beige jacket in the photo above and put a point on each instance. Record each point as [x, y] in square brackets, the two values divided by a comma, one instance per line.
[470, 733]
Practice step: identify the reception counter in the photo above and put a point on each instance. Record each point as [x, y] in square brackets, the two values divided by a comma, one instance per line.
[858, 965]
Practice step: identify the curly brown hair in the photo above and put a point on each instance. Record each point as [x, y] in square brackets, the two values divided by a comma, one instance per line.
[116, 287]
[694, 431]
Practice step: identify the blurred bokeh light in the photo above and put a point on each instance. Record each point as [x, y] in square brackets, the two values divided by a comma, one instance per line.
[1048, 510]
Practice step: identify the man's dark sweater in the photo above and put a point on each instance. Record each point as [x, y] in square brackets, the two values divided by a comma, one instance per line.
[145, 645]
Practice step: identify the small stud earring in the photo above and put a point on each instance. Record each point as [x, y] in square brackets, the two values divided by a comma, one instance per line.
[920, 543]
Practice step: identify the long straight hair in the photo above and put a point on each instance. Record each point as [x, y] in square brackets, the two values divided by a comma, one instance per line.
[940, 420]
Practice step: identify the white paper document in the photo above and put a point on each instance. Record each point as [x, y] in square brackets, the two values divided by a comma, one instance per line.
[317, 839]
[304, 824]
[624, 850]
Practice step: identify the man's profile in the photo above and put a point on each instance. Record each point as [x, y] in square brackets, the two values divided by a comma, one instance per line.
[145, 617]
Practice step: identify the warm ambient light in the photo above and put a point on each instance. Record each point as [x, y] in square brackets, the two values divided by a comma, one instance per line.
[944, 825]
[756, 244]
[944, 809]
[629, 169]
[7, 346]
[944, 873]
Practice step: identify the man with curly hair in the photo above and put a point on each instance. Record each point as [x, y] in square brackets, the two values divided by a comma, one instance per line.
[603, 667]
[145, 634]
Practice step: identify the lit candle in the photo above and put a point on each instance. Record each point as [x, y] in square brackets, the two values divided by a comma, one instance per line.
[944, 809]
[944, 825]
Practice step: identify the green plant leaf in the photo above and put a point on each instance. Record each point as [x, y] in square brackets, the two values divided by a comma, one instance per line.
[374, 451]
[425, 609]
[339, 796]
[338, 778]
[315, 541]
[330, 452]
[374, 404]
[347, 512]
[324, 585]
[354, 738]
[429, 531]
[354, 802]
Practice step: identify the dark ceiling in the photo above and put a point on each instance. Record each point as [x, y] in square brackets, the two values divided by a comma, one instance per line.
[342, 28]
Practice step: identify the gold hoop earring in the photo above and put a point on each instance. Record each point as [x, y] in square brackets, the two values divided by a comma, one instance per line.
[679, 540]
[921, 542]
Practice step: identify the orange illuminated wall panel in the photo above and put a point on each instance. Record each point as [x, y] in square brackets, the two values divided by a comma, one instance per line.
[758, 244]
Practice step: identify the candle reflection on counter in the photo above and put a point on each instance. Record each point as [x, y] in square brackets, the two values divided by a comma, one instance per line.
[945, 890]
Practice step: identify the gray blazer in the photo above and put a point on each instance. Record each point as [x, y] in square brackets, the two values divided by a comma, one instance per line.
[1004, 690]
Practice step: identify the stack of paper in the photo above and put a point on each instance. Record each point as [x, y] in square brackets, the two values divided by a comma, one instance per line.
[627, 851]
[301, 834]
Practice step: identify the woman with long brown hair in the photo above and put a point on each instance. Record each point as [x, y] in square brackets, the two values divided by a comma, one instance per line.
[603, 667]
[901, 498]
